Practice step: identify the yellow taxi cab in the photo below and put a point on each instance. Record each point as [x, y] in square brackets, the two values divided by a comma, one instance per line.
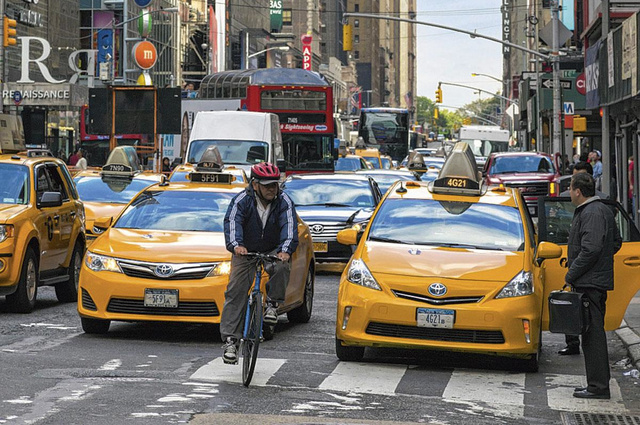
[447, 265]
[106, 192]
[182, 172]
[164, 257]
[41, 230]
[371, 155]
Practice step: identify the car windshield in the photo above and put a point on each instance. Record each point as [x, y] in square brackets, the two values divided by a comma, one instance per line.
[185, 211]
[232, 151]
[386, 163]
[330, 192]
[15, 184]
[521, 164]
[115, 190]
[348, 164]
[449, 224]
[385, 181]
[373, 160]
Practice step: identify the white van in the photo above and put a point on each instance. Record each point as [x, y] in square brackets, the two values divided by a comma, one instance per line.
[243, 138]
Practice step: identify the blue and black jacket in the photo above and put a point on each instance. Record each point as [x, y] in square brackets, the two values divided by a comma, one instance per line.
[243, 227]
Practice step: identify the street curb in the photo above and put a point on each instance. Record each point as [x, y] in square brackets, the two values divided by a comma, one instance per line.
[631, 341]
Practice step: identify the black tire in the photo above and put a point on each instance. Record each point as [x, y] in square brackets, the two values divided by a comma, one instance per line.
[302, 314]
[251, 343]
[67, 291]
[24, 299]
[348, 354]
[531, 364]
[268, 331]
[95, 326]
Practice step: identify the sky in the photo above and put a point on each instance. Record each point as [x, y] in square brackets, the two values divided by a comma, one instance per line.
[451, 57]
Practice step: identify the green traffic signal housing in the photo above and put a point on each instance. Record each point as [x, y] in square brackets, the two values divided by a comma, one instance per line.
[9, 33]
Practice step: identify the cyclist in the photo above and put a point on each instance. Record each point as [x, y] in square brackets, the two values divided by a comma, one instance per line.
[259, 219]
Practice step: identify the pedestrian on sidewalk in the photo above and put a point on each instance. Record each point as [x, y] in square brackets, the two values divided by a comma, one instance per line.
[595, 158]
[593, 240]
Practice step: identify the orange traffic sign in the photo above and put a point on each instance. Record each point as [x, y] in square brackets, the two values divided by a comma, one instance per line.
[145, 54]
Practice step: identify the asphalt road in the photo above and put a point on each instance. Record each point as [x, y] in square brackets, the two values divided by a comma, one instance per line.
[154, 373]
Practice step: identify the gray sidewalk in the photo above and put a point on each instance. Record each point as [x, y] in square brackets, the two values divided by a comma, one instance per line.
[629, 331]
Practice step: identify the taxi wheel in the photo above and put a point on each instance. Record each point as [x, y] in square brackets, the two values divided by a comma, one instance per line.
[531, 364]
[348, 354]
[67, 292]
[302, 314]
[24, 299]
[95, 326]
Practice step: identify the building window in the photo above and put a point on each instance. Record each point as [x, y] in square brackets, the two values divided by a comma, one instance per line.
[286, 16]
[356, 7]
[356, 23]
[356, 38]
[356, 54]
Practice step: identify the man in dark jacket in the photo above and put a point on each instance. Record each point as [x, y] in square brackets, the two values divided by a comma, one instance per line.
[259, 219]
[593, 240]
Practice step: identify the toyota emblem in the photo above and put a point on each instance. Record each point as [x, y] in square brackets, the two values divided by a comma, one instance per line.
[317, 228]
[437, 289]
[164, 270]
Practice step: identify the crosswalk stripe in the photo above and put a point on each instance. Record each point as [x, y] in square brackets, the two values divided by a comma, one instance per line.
[364, 378]
[217, 371]
[560, 396]
[502, 391]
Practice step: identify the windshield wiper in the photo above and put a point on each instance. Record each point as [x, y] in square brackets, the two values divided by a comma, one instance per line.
[383, 239]
[468, 246]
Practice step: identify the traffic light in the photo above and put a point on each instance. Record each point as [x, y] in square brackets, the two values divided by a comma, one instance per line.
[438, 95]
[347, 38]
[435, 113]
[9, 32]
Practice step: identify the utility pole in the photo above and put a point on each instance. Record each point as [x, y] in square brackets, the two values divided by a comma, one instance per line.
[556, 146]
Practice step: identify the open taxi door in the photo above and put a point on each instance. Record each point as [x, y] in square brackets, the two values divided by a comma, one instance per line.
[554, 220]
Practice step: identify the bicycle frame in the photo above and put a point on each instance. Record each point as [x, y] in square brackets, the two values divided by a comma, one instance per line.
[255, 290]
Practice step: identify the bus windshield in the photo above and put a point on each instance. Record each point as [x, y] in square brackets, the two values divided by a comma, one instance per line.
[386, 130]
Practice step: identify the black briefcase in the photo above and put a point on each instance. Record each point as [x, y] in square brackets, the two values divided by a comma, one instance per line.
[568, 312]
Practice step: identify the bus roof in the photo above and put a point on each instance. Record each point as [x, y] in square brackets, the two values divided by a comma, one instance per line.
[384, 109]
[267, 76]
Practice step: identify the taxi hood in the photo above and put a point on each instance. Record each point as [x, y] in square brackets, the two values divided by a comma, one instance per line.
[7, 211]
[428, 261]
[323, 214]
[93, 210]
[162, 246]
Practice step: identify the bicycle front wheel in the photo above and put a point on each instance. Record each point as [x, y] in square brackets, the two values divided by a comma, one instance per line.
[252, 340]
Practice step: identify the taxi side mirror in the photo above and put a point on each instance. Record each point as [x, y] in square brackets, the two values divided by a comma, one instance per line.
[547, 250]
[103, 223]
[348, 236]
[50, 200]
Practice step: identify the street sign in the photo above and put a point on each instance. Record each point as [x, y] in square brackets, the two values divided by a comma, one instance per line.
[306, 51]
[568, 108]
[581, 84]
[548, 83]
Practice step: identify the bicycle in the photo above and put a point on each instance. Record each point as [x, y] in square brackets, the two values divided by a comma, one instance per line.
[252, 333]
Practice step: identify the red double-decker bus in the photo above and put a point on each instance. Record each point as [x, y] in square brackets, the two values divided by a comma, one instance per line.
[303, 101]
[96, 146]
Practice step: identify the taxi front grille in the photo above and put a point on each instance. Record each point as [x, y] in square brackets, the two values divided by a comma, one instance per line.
[437, 301]
[434, 334]
[87, 301]
[144, 270]
[150, 275]
[321, 232]
[185, 308]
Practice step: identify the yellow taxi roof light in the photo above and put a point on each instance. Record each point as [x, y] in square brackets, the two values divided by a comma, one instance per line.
[211, 160]
[459, 174]
[342, 148]
[122, 161]
[416, 161]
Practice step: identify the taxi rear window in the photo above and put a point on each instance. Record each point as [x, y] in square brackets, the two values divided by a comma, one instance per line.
[15, 184]
[109, 190]
[448, 224]
[184, 211]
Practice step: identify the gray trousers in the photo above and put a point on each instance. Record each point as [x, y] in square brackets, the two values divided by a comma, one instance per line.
[243, 272]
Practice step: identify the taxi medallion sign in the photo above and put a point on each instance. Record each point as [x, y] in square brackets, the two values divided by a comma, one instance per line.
[145, 54]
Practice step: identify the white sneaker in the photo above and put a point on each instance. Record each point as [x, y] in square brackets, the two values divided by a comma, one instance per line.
[271, 315]
[230, 355]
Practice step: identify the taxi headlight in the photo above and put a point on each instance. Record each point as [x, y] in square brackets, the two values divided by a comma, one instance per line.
[6, 231]
[519, 286]
[221, 269]
[360, 275]
[99, 263]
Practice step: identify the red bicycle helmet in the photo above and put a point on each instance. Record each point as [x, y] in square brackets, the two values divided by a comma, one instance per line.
[265, 173]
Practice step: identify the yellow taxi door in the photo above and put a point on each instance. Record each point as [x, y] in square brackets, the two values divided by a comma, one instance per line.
[43, 222]
[554, 221]
[65, 217]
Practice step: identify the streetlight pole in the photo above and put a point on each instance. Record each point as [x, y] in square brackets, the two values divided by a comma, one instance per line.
[477, 89]
[282, 48]
[477, 74]
[553, 57]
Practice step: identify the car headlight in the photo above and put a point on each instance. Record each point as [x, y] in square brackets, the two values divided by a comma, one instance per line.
[221, 269]
[519, 286]
[100, 263]
[6, 231]
[360, 275]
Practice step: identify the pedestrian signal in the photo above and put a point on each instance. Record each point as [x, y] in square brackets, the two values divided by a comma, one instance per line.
[9, 32]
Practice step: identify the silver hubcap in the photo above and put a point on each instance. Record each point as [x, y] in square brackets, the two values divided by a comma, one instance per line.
[31, 280]
[77, 264]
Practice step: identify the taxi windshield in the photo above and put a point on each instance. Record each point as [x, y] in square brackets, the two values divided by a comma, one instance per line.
[348, 164]
[521, 164]
[330, 192]
[15, 184]
[232, 151]
[448, 224]
[183, 211]
[114, 190]
[373, 160]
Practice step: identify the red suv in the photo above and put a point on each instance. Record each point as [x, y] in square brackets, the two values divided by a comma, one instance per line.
[534, 173]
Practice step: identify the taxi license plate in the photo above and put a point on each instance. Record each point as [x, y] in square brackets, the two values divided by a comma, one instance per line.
[435, 318]
[320, 247]
[167, 298]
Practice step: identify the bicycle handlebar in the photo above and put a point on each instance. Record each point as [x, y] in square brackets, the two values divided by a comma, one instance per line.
[261, 256]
